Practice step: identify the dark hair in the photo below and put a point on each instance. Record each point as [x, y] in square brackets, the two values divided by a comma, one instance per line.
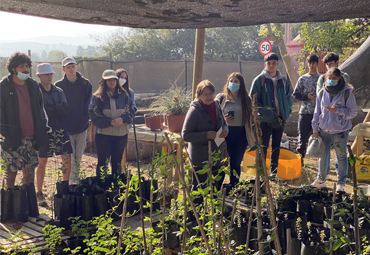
[334, 70]
[330, 57]
[101, 93]
[271, 56]
[16, 59]
[312, 58]
[126, 86]
[204, 84]
[246, 101]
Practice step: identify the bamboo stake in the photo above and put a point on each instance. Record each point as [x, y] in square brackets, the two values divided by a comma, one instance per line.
[210, 181]
[221, 218]
[151, 199]
[190, 200]
[219, 223]
[140, 185]
[289, 241]
[271, 203]
[163, 212]
[184, 201]
[355, 205]
[250, 220]
[232, 216]
[332, 219]
[123, 216]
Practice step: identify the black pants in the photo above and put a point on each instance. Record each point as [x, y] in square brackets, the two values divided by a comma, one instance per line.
[275, 134]
[110, 148]
[304, 130]
[237, 143]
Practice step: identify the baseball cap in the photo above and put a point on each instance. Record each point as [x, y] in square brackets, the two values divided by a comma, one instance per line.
[68, 60]
[44, 68]
[109, 74]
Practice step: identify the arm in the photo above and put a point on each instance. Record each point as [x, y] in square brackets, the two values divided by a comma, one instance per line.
[316, 115]
[350, 110]
[289, 95]
[256, 89]
[189, 130]
[4, 129]
[43, 114]
[88, 95]
[298, 91]
[98, 118]
[320, 83]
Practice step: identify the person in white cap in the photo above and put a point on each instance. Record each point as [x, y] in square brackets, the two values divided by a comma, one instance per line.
[55, 104]
[23, 125]
[78, 91]
[111, 111]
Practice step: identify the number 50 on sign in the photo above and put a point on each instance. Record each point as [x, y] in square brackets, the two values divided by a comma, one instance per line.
[265, 47]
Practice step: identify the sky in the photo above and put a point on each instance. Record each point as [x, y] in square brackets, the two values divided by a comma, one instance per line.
[30, 26]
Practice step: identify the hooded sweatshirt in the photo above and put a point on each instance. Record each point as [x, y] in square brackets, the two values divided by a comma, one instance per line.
[338, 122]
[78, 95]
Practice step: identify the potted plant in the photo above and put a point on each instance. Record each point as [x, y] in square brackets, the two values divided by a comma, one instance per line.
[174, 104]
[171, 193]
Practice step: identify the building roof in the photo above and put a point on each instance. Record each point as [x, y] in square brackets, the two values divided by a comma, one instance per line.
[189, 13]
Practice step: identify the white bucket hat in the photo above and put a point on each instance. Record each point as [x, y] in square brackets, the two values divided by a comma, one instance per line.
[44, 68]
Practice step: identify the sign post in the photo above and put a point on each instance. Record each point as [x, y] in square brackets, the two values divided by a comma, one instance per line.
[265, 47]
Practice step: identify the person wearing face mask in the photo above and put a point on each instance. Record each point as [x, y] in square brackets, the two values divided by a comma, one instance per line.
[23, 124]
[203, 119]
[335, 107]
[237, 108]
[125, 83]
[111, 111]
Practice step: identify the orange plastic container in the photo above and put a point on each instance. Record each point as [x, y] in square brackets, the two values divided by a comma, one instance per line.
[289, 166]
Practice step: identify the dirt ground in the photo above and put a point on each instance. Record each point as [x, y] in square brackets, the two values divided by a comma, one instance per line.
[89, 161]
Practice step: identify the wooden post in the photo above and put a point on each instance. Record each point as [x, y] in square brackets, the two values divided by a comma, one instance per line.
[123, 213]
[198, 58]
[355, 205]
[124, 160]
[266, 179]
[240, 64]
[250, 220]
[186, 72]
[111, 60]
[332, 219]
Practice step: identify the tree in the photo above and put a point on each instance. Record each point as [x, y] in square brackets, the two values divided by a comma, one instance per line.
[55, 56]
[80, 52]
[340, 36]
[171, 44]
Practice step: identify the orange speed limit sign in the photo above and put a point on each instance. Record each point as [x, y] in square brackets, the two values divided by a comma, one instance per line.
[265, 47]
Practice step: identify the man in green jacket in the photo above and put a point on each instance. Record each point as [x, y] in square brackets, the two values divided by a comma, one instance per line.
[275, 105]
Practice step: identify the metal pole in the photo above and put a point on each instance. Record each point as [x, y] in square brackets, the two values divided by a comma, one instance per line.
[240, 65]
[198, 58]
[29, 54]
[186, 72]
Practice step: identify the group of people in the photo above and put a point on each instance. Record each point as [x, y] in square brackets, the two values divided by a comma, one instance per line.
[328, 105]
[41, 119]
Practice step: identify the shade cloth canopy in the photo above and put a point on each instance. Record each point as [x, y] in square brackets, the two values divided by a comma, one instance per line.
[189, 13]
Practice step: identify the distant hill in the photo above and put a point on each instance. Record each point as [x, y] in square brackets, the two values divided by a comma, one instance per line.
[45, 43]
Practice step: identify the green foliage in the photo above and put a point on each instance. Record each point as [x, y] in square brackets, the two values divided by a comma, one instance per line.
[174, 101]
[55, 56]
[171, 44]
[52, 236]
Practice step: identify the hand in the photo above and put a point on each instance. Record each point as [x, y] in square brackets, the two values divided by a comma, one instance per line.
[311, 96]
[229, 118]
[332, 109]
[117, 122]
[211, 134]
[315, 135]
[223, 134]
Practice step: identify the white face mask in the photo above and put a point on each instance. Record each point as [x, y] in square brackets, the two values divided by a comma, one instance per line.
[23, 76]
[122, 81]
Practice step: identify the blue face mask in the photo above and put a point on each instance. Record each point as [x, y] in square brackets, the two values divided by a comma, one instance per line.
[23, 76]
[332, 82]
[233, 87]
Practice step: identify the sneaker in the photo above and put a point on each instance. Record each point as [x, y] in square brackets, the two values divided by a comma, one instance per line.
[318, 184]
[41, 201]
[340, 187]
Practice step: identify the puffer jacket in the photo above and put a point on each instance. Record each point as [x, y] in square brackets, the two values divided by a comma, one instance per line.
[10, 127]
[55, 104]
[196, 125]
[102, 113]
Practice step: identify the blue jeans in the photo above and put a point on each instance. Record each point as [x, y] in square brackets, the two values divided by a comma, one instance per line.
[237, 143]
[339, 141]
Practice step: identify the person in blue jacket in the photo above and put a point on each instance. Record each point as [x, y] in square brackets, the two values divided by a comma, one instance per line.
[111, 112]
[335, 107]
[275, 105]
